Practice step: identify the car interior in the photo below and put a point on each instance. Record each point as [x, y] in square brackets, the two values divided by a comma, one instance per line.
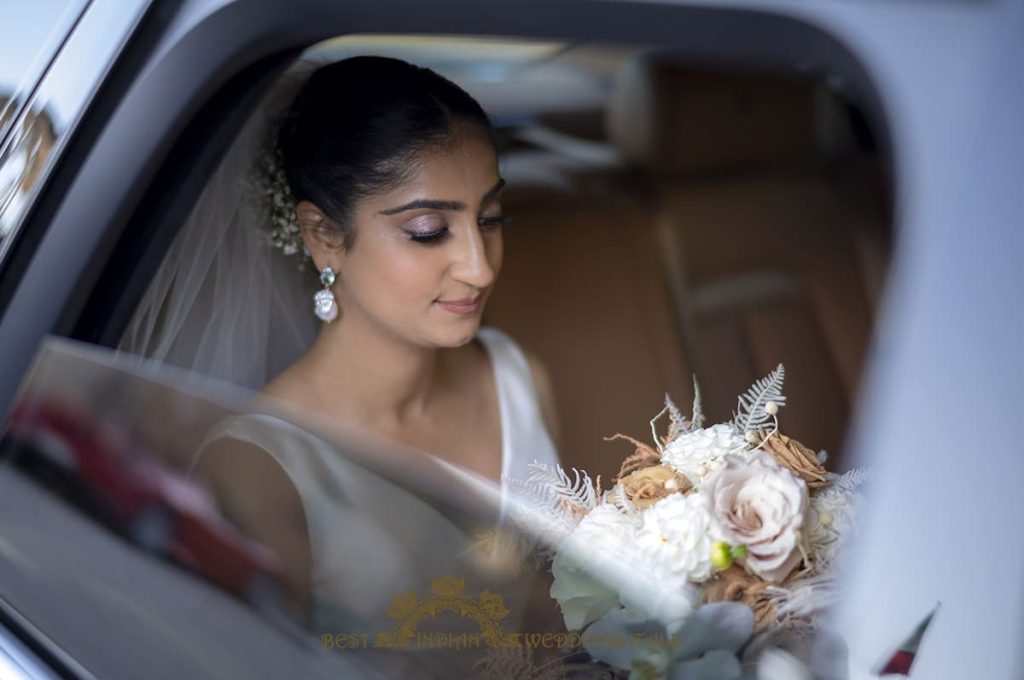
[698, 192]
[675, 222]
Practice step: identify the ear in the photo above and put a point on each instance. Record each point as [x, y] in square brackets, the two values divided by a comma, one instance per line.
[320, 235]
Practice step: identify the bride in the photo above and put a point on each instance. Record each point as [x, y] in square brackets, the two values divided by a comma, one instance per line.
[383, 179]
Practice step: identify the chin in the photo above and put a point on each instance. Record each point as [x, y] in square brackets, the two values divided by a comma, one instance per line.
[463, 335]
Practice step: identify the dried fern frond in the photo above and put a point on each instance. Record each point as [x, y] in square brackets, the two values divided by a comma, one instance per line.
[850, 480]
[697, 417]
[578, 494]
[621, 500]
[845, 484]
[804, 597]
[534, 512]
[750, 414]
[516, 552]
[550, 503]
[677, 423]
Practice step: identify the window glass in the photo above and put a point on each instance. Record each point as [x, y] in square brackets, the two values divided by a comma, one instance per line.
[178, 560]
[137, 541]
[32, 34]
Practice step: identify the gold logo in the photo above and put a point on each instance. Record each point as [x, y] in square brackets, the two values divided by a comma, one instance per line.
[447, 595]
[488, 611]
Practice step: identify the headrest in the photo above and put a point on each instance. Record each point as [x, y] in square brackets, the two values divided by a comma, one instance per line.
[670, 118]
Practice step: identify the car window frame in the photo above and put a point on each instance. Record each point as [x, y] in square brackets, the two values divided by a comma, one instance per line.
[31, 650]
[241, 47]
[840, 32]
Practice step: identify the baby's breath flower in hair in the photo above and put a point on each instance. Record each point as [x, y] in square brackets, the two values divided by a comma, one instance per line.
[277, 205]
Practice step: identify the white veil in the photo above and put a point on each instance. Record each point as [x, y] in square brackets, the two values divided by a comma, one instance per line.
[225, 303]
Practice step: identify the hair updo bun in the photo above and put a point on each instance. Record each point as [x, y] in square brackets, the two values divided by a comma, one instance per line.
[357, 126]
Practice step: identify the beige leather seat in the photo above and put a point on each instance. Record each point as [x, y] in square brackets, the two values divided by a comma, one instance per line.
[724, 249]
[763, 251]
[582, 288]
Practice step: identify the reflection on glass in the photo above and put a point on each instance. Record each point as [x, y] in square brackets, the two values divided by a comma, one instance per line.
[31, 34]
[43, 101]
[216, 536]
[22, 160]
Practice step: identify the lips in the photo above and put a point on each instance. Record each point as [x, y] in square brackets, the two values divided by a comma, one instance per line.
[463, 306]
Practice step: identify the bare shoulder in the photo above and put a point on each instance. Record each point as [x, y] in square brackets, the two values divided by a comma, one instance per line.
[242, 472]
[545, 393]
[255, 493]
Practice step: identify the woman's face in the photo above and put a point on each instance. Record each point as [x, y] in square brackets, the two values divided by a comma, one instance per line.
[433, 241]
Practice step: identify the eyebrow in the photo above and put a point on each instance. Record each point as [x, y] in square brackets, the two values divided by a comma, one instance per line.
[442, 205]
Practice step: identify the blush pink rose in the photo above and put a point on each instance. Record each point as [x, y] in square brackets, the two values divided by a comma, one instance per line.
[757, 503]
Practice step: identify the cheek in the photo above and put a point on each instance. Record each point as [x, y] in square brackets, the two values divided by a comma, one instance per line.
[394, 273]
[496, 253]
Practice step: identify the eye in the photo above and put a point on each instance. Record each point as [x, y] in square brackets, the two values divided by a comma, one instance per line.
[493, 221]
[429, 237]
[427, 228]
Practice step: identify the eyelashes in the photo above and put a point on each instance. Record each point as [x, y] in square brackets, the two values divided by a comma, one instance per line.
[430, 238]
[496, 221]
[485, 223]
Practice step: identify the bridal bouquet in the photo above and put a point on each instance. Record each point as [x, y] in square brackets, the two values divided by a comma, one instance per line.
[713, 535]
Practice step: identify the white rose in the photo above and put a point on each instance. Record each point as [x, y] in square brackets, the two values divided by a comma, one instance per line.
[698, 454]
[589, 564]
[759, 504]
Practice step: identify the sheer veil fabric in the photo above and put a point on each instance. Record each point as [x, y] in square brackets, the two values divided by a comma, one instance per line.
[225, 303]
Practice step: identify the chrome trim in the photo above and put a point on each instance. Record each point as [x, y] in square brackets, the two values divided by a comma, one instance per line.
[20, 656]
[17, 661]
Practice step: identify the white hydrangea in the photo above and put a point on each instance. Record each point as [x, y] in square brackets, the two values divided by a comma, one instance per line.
[672, 552]
[613, 560]
[675, 538]
[698, 454]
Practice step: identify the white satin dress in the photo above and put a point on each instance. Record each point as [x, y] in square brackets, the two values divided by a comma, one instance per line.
[370, 538]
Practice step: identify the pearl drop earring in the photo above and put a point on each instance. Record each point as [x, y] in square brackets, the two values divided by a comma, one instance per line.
[325, 305]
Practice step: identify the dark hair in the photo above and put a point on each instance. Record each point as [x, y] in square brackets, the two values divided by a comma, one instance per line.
[357, 126]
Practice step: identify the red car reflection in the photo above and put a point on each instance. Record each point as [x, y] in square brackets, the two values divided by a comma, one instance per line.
[103, 471]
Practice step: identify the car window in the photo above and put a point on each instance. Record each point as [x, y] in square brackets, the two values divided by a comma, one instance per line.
[101, 505]
[32, 34]
[106, 454]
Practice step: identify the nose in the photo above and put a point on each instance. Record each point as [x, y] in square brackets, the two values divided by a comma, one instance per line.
[471, 264]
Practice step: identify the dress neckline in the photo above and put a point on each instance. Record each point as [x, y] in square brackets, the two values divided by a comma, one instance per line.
[487, 337]
[490, 338]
